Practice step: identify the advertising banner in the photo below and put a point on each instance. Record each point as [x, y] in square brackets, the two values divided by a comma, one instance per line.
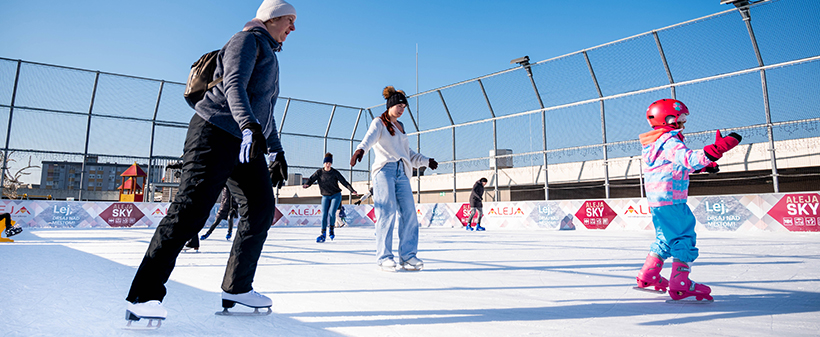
[797, 212]
[595, 214]
[721, 213]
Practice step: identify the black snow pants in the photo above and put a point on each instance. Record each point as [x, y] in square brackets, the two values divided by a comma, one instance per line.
[210, 161]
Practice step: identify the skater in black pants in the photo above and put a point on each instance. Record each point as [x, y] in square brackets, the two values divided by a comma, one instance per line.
[10, 230]
[227, 140]
[329, 180]
[476, 204]
[227, 211]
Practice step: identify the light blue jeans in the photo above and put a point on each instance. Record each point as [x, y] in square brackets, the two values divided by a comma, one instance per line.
[674, 232]
[393, 201]
[329, 206]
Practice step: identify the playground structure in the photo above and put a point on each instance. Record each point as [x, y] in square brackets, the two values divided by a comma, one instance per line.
[131, 189]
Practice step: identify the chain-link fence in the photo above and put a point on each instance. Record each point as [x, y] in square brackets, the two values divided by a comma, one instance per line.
[54, 114]
[753, 70]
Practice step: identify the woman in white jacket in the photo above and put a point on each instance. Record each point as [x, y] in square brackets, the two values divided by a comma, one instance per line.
[391, 183]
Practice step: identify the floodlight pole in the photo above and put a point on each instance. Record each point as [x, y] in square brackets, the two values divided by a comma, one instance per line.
[743, 7]
[525, 63]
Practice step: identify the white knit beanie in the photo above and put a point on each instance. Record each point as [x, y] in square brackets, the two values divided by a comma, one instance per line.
[274, 8]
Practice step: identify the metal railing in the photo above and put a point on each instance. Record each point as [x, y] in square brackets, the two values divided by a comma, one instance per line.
[589, 106]
[754, 70]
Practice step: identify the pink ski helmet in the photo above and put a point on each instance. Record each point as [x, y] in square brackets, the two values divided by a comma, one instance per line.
[666, 111]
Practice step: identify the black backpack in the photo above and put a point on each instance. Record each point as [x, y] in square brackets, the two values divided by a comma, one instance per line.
[199, 80]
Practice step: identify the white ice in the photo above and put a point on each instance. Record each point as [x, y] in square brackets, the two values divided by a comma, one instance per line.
[494, 283]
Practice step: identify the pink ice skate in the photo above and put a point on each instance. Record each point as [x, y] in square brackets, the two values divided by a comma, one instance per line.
[650, 275]
[682, 287]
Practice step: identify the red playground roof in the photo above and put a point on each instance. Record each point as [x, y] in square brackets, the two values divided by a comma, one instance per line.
[134, 171]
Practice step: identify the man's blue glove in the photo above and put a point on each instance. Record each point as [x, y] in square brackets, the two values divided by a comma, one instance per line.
[253, 143]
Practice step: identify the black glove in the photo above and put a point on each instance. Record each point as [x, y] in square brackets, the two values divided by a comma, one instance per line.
[432, 164]
[711, 168]
[278, 168]
[258, 146]
[357, 157]
[357, 203]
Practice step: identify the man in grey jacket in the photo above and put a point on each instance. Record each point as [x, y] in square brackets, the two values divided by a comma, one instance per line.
[227, 140]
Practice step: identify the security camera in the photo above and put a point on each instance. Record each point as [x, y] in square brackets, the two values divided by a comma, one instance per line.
[521, 60]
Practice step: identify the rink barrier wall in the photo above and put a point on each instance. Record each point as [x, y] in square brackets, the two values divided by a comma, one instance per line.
[777, 212]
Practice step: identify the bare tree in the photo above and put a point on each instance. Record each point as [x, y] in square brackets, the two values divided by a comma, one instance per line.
[11, 182]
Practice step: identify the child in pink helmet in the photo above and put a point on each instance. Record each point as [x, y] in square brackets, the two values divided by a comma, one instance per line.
[667, 165]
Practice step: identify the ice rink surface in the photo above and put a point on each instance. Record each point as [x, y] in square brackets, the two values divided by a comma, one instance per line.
[494, 283]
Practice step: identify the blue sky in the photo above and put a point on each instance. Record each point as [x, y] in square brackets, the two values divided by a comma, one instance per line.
[342, 52]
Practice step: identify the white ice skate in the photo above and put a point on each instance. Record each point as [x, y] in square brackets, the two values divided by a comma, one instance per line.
[251, 299]
[151, 310]
[412, 264]
[387, 265]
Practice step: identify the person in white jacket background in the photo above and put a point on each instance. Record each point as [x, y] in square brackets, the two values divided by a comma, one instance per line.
[392, 194]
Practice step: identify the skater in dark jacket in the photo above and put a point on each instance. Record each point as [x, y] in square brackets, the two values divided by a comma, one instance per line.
[227, 140]
[476, 204]
[227, 211]
[329, 180]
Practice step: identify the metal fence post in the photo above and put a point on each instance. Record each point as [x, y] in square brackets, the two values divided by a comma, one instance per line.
[327, 130]
[603, 124]
[8, 131]
[495, 139]
[665, 64]
[352, 136]
[284, 114]
[369, 173]
[88, 135]
[281, 126]
[453, 128]
[151, 147]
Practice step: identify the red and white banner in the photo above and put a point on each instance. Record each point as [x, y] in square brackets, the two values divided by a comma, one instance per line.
[797, 212]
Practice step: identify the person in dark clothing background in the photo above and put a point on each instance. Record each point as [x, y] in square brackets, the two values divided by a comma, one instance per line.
[329, 179]
[227, 211]
[476, 205]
